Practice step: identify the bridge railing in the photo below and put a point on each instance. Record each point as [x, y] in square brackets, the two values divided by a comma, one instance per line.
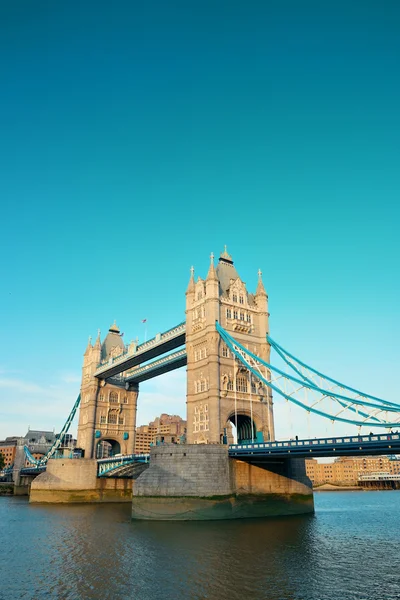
[156, 363]
[157, 339]
[105, 465]
[364, 439]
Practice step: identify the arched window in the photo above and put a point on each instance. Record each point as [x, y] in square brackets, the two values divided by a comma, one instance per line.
[114, 397]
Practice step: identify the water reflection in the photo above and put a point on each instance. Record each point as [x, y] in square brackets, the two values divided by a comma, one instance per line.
[347, 551]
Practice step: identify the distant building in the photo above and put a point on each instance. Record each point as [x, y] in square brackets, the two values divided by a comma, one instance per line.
[164, 429]
[345, 470]
[7, 449]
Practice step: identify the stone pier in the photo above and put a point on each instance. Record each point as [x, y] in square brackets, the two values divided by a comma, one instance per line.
[201, 482]
[75, 480]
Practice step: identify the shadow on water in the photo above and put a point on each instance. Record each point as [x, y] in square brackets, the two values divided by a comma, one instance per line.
[96, 551]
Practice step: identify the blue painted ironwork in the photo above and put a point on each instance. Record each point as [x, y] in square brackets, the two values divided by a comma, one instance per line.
[105, 466]
[372, 418]
[59, 440]
[360, 445]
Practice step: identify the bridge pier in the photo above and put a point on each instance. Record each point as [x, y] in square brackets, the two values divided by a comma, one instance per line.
[201, 482]
[75, 481]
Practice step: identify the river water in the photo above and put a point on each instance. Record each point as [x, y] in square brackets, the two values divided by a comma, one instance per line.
[348, 550]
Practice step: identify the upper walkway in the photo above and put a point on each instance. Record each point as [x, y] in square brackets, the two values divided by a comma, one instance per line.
[158, 345]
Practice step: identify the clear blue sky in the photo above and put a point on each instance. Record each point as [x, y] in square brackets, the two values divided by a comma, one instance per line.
[136, 138]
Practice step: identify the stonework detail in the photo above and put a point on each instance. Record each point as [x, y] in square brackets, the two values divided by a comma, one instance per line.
[214, 377]
[107, 412]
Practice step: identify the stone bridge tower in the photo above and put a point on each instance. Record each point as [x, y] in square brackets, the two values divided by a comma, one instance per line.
[107, 411]
[220, 392]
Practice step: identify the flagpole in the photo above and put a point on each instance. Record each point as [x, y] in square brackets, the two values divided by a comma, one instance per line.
[144, 321]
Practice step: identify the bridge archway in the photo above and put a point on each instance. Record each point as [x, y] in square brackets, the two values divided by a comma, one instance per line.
[107, 447]
[244, 428]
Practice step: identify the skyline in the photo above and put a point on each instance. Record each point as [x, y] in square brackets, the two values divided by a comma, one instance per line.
[138, 140]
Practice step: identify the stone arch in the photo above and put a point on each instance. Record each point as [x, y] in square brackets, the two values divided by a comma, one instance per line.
[246, 429]
[107, 447]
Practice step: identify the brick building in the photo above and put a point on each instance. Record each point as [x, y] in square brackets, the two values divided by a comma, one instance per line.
[346, 470]
[164, 429]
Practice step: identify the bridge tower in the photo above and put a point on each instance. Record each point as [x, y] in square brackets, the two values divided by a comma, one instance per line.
[107, 411]
[220, 392]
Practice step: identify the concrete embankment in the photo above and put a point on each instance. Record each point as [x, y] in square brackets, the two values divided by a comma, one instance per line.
[6, 488]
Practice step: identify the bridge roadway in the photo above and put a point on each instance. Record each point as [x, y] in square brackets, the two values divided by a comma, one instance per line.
[362, 445]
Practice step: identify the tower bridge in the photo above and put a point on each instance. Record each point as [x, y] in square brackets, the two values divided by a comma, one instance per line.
[225, 344]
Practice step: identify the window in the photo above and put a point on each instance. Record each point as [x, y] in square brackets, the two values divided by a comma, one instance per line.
[225, 351]
[241, 383]
[101, 397]
[114, 397]
[242, 316]
[229, 387]
[112, 419]
[228, 313]
[248, 318]
[241, 300]
[102, 419]
[235, 297]
[235, 314]
[125, 400]
[121, 420]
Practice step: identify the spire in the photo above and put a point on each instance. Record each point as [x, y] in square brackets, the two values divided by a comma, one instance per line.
[190, 287]
[260, 286]
[89, 346]
[212, 275]
[114, 327]
[224, 256]
[97, 343]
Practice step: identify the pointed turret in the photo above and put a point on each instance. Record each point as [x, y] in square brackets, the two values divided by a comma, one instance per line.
[97, 343]
[212, 274]
[112, 340]
[190, 287]
[260, 286]
[89, 346]
[212, 283]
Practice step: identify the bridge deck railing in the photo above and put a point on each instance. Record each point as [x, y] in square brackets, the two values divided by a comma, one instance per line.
[157, 339]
